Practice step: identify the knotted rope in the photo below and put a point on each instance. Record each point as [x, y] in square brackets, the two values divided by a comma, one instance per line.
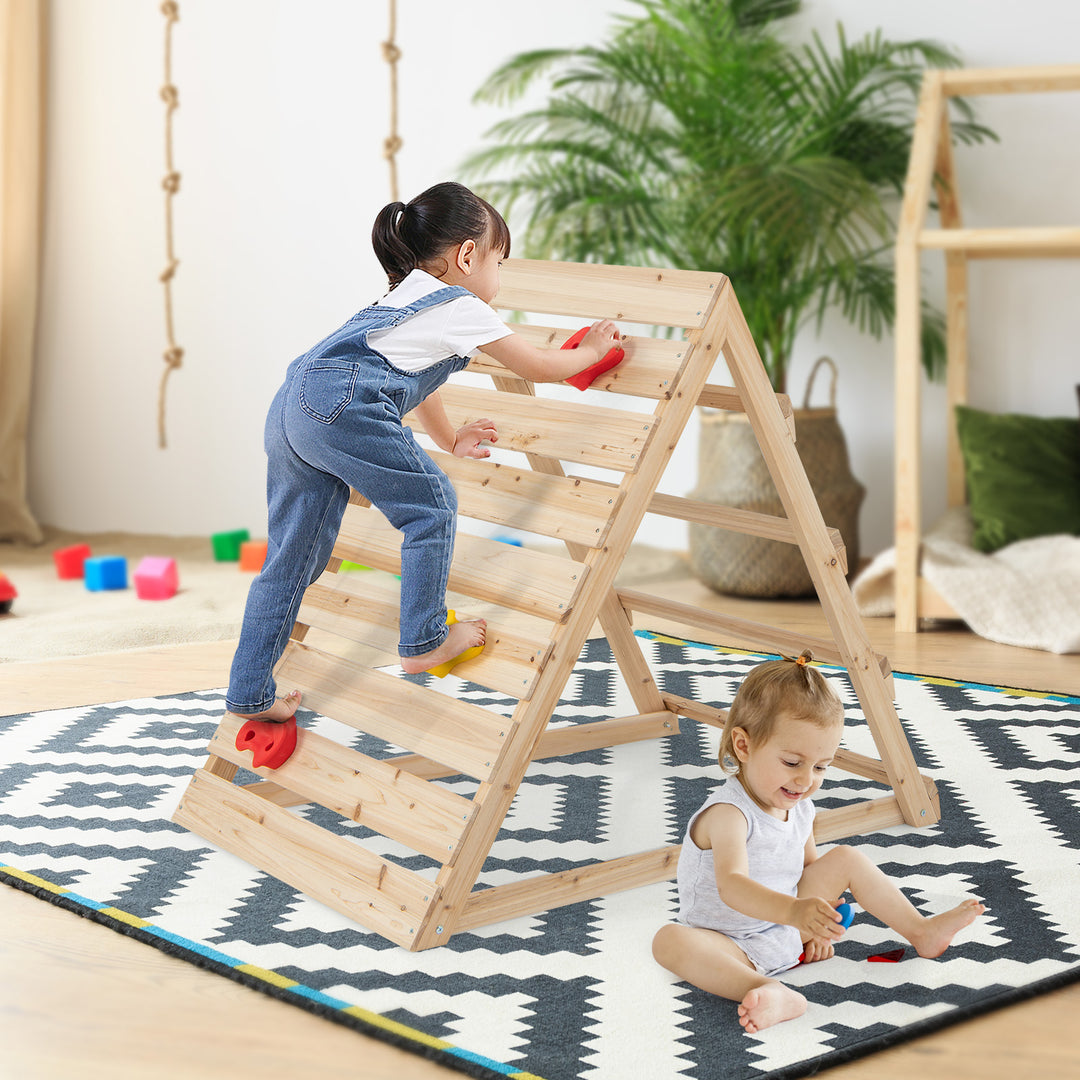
[173, 355]
[392, 144]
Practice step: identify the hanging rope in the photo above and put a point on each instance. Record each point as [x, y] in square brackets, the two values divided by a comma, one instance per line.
[173, 355]
[392, 144]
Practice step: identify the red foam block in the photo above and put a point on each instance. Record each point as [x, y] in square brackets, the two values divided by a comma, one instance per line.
[71, 561]
[271, 744]
[584, 379]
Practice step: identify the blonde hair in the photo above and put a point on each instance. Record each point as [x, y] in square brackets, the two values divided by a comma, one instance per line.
[787, 687]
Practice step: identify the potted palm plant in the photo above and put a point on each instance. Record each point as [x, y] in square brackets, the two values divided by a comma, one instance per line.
[697, 137]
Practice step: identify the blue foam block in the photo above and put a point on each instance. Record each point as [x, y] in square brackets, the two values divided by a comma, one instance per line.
[106, 572]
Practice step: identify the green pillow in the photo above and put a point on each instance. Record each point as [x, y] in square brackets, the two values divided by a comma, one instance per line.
[1023, 475]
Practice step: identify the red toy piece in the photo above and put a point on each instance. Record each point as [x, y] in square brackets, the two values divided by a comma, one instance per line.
[7, 594]
[584, 379]
[271, 743]
[893, 956]
[71, 561]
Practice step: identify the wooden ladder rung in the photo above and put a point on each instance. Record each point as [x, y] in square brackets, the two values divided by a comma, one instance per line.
[469, 738]
[1003, 243]
[336, 871]
[728, 399]
[544, 891]
[426, 817]
[367, 611]
[591, 291]
[533, 582]
[649, 370]
[572, 739]
[584, 434]
[760, 635]
[567, 508]
[768, 526]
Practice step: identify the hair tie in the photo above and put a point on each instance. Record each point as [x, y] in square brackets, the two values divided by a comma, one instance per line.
[801, 661]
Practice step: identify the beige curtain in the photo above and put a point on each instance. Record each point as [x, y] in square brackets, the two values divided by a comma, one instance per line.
[23, 42]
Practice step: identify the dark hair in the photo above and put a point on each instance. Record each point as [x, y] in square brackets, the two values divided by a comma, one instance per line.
[787, 687]
[414, 234]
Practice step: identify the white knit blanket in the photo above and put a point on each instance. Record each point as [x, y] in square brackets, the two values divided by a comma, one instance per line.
[1025, 594]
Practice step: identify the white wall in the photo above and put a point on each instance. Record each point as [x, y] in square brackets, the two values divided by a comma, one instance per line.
[283, 109]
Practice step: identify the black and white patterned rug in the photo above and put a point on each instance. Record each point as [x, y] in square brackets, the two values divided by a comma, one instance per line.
[86, 795]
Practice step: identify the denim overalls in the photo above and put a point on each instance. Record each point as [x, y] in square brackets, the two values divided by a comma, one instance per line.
[335, 424]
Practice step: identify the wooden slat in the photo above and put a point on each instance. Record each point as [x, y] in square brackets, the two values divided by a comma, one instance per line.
[367, 611]
[869, 816]
[534, 582]
[648, 370]
[727, 399]
[566, 508]
[696, 710]
[466, 737]
[872, 769]
[590, 291]
[426, 817]
[544, 891]
[577, 738]
[557, 742]
[768, 526]
[1011, 80]
[566, 431]
[1006, 243]
[908, 375]
[337, 872]
[772, 638]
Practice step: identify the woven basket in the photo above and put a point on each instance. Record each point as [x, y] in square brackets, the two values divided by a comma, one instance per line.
[732, 472]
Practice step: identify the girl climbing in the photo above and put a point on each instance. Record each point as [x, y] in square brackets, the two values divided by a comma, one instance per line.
[336, 423]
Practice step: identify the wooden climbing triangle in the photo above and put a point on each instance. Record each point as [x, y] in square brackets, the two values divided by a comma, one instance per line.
[540, 608]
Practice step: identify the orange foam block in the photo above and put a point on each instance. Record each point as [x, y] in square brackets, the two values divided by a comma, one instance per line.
[252, 555]
[156, 578]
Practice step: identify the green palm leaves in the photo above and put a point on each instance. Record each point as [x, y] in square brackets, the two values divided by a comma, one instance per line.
[696, 137]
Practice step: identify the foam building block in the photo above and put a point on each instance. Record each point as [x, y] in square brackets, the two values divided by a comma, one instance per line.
[70, 561]
[156, 578]
[105, 572]
[227, 544]
[252, 555]
[346, 565]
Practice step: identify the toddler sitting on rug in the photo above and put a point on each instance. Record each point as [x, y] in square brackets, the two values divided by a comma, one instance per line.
[753, 892]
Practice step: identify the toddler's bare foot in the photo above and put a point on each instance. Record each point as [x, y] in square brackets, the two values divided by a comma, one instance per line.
[460, 636]
[770, 1004]
[937, 932]
[279, 712]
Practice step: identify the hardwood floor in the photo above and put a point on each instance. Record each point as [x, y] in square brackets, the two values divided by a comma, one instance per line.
[79, 999]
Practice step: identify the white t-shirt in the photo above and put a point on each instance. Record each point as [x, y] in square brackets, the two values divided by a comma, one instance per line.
[460, 327]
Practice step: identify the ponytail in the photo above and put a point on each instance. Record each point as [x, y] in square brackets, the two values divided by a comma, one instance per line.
[787, 687]
[391, 250]
[417, 234]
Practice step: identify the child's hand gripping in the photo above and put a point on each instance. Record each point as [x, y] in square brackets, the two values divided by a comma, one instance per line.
[817, 948]
[817, 920]
[468, 439]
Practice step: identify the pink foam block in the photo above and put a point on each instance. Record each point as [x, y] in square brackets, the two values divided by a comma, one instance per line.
[156, 578]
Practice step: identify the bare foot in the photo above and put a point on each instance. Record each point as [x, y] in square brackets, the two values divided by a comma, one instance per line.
[460, 636]
[937, 932]
[770, 1004]
[279, 712]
